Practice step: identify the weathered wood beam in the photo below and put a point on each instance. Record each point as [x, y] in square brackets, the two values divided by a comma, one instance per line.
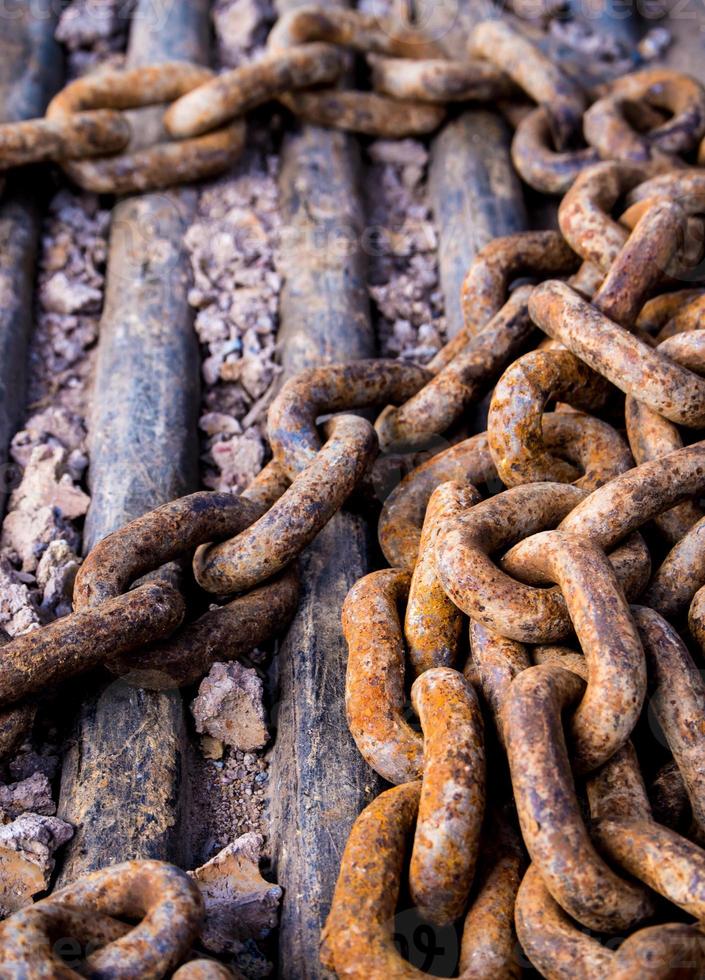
[31, 69]
[319, 782]
[475, 192]
[121, 782]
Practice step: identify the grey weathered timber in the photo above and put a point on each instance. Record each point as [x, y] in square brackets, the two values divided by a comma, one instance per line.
[30, 73]
[319, 782]
[121, 783]
[474, 190]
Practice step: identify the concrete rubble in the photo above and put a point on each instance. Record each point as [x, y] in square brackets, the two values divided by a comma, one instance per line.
[27, 848]
[235, 292]
[31, 795]
[240, 904]
[230, 707]
[403, 262]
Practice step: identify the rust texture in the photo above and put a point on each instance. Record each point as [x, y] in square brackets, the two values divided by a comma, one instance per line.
[607, 127]
[235, 92]
[630, 364]
[75, 643]
[162, 164]
[402, 516]
[552, 825]
[535, 74]
[486, 284]
[375, 698]
[164, 900]
[295, 519]
[514, 424]
[223, 633]
[158, 537]
[461, 382]
[350, 28]
[452, 802]
[334, 388]
[84, 134]
[432, 624]
[439, 80]
[365, 112]
[539, 164]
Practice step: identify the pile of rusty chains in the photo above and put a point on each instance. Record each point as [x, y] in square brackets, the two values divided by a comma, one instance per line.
[560, 712]
[653, 117]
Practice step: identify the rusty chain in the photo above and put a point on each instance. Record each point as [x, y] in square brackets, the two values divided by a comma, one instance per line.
[304, 69]
[571, 555]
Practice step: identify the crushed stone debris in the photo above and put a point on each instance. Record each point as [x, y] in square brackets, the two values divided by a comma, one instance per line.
[28, 795]
[236, 296]
[241, 28]
[230, 707]
[28, 762]
[403, 261]
[40, 537]
[27, 848]
[94, 32]
[240, 904]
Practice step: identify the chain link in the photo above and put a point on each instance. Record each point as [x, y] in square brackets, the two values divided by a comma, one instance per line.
[538, 532]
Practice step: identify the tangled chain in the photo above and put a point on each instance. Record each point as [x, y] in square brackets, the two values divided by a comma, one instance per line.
[654, 118]
[572, 557]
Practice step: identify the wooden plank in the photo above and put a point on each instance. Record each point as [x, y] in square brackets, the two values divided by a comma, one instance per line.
[319, 782]
[30, 73]
[475, 192]
[122, 776]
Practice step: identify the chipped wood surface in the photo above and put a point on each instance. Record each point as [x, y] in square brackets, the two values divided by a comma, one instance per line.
[475, 192]
[121, 783]
[30, 72]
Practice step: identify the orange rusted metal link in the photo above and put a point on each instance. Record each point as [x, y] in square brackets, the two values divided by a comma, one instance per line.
[292, 416]
[553, 828]
[403, 512]
[562, 950]
[34, 661]
[364, 112]
[164, 901]
[533, 72]
[651, 436]
[375, 699]
[358, 935]
[235, 92]
[616, 668]
[677, 697]
[161, 535]
[268, 545]
[81, 135]
[162, 164]
[514, 423]
[584, 214]
[494, 268]
[491, 596]
[352, 29]
[452, 802]
[607, 127]
[632, 365]
[433, 624]
[440, 80]
[461, 382]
